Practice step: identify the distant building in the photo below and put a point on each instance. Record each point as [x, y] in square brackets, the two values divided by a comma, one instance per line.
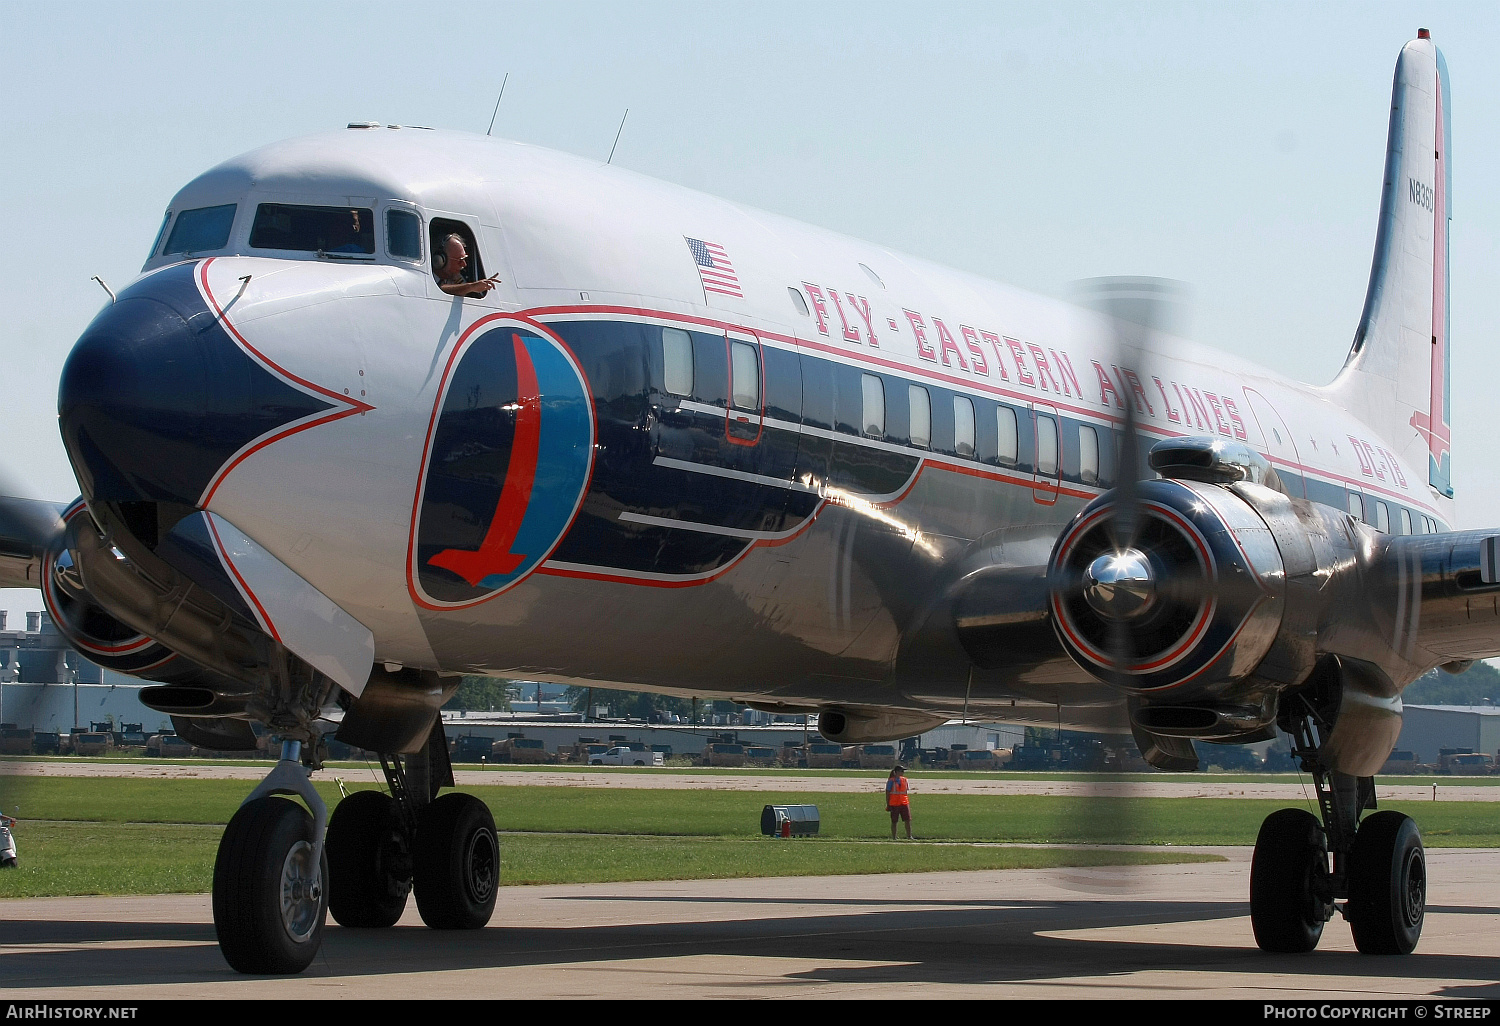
[39, 655]
[1427, 728]
[43, 682]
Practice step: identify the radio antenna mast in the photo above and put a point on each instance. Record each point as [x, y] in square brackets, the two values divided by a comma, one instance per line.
[617, 135]
[487, 131]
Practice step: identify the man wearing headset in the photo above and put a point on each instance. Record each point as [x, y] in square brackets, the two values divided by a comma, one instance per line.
[449, 264]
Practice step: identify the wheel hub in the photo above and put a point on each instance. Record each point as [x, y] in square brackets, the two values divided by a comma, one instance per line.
[482, 867]
[301, 892]
[1414, 889]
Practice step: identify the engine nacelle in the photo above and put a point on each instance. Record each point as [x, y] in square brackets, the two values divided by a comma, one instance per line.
[1189, 603]
[86, 625]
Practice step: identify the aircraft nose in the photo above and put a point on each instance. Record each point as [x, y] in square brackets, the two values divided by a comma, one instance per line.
[131, 403]
[156, 398]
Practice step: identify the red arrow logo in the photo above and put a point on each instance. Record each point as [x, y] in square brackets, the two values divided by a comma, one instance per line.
[495, 555]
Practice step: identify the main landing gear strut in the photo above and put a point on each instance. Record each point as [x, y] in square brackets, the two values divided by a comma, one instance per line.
[1378, 868]
[276, 879]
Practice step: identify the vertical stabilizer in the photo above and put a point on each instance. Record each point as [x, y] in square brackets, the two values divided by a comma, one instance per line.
[1396, 377]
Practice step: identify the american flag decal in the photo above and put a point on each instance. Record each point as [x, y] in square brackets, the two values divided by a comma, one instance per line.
[714, 268]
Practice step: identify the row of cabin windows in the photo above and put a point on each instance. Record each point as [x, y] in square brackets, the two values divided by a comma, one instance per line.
[678, 379]
[1382, 517]
[291, 227]
[744, 368]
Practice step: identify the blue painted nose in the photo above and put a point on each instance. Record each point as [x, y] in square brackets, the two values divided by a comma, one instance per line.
[156, 396]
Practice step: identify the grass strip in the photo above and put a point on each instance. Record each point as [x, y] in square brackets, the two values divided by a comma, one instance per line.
[82, 858]
[973, 817]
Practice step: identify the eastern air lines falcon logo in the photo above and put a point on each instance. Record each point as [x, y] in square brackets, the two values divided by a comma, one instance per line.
[509, 449]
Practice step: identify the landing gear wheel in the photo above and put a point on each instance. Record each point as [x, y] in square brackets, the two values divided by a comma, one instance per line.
[369, 861]
[269, 900]
[1387, 885]
[456, 863]
[1289, 887]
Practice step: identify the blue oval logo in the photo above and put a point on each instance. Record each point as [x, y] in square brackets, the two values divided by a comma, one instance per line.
[509, 450]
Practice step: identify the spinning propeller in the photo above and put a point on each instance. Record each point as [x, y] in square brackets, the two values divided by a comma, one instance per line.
[1124, 582]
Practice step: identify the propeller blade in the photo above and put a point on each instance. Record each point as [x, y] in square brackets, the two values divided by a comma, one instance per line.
[1137, 311]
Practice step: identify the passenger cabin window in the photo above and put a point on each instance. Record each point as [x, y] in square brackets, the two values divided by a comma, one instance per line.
[1010, 448]
[798, 301]
[1405, 521]
[1088, 455]
[1382, 517]
[403, 234]
[963, 426]
[1356, 506]
[201, 230]
[744, 371]
[327, 231]
[677, 361]
[1046, 446]
[921, 415]
[874, 405]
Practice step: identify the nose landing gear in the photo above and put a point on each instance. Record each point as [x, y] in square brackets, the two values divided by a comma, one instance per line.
[275, 880]
[270, 896]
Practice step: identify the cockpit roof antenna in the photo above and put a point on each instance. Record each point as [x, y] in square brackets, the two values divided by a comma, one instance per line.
[506, 79]
[617, 135]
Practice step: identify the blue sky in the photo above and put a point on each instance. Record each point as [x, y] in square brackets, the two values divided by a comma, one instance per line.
[1237, 147]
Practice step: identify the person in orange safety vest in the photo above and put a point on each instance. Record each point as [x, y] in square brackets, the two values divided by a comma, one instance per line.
[897, 800]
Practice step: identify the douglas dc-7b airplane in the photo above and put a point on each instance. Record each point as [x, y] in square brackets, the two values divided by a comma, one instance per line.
[693, 448]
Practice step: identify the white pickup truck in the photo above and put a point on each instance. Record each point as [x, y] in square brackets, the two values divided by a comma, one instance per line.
[621, 756]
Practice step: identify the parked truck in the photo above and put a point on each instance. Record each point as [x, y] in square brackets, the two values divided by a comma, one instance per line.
[722, 753]
[760, 755]
[823, 755]
[870, 756]
[471, 748]
[622, 755]
[1464, 762]
[93, 742]
[16, 740]
[523, 750]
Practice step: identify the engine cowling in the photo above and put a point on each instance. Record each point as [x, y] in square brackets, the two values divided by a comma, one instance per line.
[1188, 604]
[86, 625]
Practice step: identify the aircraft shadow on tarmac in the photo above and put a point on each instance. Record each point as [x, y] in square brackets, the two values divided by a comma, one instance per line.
[934, 942]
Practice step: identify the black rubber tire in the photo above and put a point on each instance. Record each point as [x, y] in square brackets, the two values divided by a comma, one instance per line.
[369, 861]
[9, 864]
[1288, 875]
[1387, 885]
[253, 934]
[456, 863]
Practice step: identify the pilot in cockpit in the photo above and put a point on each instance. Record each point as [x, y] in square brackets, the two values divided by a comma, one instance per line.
[448, 265]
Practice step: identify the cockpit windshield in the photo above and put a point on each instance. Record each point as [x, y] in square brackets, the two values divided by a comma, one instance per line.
[201, 230]
[328, 231]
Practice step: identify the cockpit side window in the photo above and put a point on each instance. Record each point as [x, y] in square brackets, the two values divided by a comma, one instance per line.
[161, 234]
[403, 234]
[328, 231]
[201, 230]
[437, 232]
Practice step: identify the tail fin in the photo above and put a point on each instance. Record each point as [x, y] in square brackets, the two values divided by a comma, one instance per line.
[1396, 376]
